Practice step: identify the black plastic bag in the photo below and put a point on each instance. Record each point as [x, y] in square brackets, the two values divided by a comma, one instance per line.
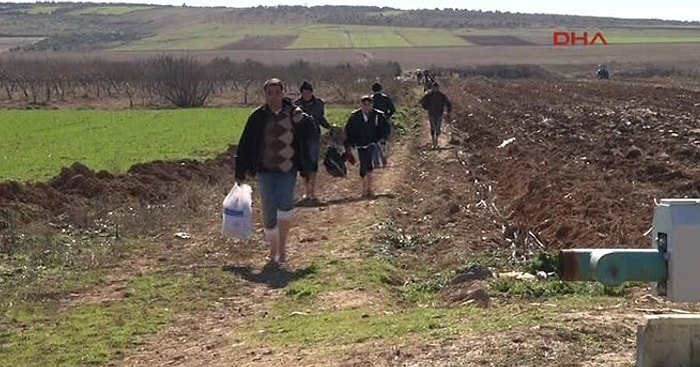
[335, 163]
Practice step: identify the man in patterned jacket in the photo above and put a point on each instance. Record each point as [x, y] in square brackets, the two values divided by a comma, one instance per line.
[273, 148]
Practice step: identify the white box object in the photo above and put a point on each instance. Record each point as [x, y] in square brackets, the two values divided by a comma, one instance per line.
[679, 220]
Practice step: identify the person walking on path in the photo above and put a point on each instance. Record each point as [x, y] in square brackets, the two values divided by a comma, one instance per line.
[315, 107]
[382, 102]
[272, 149]
[437, 104]
[366, 126]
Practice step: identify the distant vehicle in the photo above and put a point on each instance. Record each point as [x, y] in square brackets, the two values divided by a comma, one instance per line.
[602, 72]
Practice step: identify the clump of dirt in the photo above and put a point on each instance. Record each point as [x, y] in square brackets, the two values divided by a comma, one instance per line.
[78, 179]
[78, 186]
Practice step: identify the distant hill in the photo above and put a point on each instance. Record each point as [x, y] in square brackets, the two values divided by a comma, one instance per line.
[129, 27]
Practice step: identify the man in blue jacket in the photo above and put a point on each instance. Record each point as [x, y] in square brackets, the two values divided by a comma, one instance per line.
[365, 128]
[273, 148]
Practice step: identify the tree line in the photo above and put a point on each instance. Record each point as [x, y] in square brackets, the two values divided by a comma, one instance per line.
[179, 82]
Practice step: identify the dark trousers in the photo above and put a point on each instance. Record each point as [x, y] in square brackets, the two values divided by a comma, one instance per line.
[366, 155]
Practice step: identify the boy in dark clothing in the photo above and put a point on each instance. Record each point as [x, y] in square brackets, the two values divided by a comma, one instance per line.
[436, 103]
[384, 103]
[364, 129]
[273, 148]
[315, 107]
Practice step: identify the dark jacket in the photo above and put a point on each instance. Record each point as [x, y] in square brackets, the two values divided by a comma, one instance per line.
[384, 103]
[317, 109]
[360, 133]
[249, 150]
[435, 103]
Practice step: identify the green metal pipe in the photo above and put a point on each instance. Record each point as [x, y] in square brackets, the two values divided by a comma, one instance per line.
[615, 267]
[612, 266]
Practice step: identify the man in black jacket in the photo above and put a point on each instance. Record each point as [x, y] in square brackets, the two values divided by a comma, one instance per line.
[315, 107]
[382, 102]
[273, 148]
[437, 104]
[364, 129]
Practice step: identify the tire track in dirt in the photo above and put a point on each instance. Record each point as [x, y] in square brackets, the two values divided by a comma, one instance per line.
[206, 339]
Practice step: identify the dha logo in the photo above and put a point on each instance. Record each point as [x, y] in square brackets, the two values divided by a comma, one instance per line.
[571, 39]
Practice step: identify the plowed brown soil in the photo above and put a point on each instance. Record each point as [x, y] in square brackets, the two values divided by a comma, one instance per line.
[588, 159]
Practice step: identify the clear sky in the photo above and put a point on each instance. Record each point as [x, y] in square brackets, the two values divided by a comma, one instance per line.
[667, 9]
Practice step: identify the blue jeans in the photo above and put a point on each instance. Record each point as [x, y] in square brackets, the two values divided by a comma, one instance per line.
[276, 196]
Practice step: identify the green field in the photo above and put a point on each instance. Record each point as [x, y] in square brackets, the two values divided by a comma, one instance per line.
[109, 10]
[37, 144]
[209, 36]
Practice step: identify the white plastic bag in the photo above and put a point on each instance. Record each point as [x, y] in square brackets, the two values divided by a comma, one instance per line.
[238, 213]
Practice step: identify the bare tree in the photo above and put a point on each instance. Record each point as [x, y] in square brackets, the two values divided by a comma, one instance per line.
[248, 73]
[184, 82]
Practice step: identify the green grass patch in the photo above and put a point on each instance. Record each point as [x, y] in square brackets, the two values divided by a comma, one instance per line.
[507, 287]
[328, 275]
[350, 326]
[38, 143]
[311, 329]
[40, 334]
[109, 10]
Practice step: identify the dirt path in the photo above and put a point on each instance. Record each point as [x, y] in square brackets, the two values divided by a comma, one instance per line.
[335, 230]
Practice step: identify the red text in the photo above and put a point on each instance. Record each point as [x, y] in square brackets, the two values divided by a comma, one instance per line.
[573, 39]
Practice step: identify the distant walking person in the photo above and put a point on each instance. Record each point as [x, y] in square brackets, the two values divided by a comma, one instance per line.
[428, 80]
[364, 129]
[437, 104]
[382, 102]
[315, 107]
[271, 148]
